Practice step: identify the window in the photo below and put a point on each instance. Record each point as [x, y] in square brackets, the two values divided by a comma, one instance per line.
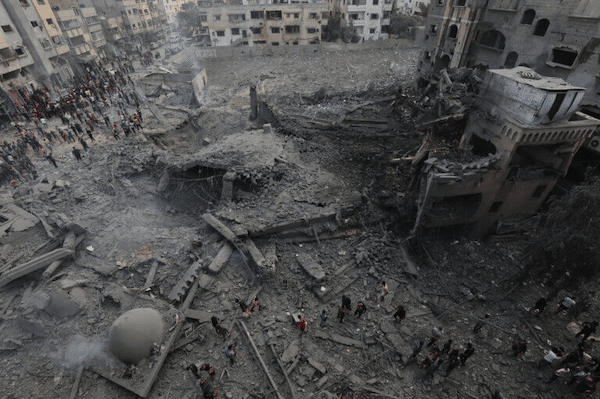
[237, 17]
[453, 31]
[296, 15]
[57, 39]
[427, 55]
[440, 2]
[20, 51]
[541, 27]
[41, 2]
[313, 15]
[34, 24]
[46, 44]
[560, 97]
[539, 191]
[203, 18]
[255, 31]
[275, 30]
[50, 21]
[220, 33]
[375, 2]
[257, 14]
[375, 16]
[311, 30]
[7, 28]
[495, 207]
[24, 3]
[129, 12]
[564, 56]
[433, 29]
[511, 60]
[274, 15]
[292, 29]
[528, 17]
[216, 17]
[461, 3]
[325, 15]
[492, 39]
[275, 44]
[235, 31]
[372, 30]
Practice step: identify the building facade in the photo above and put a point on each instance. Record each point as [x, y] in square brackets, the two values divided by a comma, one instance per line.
[265, 24]
[367, 17]
[411, 7]
[553, 37]
[520, 144]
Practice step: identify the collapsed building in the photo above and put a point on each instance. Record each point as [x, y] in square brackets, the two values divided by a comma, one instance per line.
[515, 147]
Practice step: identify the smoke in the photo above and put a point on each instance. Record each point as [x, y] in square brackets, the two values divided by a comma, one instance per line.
[85, 352]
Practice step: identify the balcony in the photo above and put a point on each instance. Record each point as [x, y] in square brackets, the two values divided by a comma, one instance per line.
[71, 33]
[82, 48]
[100, 43]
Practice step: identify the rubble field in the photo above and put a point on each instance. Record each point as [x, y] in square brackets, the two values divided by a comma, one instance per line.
[205, 207]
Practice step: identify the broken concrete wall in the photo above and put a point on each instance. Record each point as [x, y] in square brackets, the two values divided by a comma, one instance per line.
[171, 79]
[198, 84]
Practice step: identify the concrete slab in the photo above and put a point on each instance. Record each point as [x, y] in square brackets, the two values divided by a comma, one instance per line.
[310, 266]
[222, 257]
[318, 366]
[33, 265]
[346, 341]
[290, 353]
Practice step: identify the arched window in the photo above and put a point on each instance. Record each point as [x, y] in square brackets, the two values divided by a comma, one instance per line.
[528, 17]
[453, 31]
[541, 27]
[511, 60]
[492, 38]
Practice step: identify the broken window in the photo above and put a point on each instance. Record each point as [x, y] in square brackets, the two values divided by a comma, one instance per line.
[50, 21]
[433, 29]
[453, 31]
[20, 51]
[34, 24]
[275, 30]
[541, 27]
[461, 3]
[511, 60]
[440, 2]
[274, 15]
[217, 17]
[235, 31]
[481, 147]
[237, 17]
[311, 30]
[220, 33]
[292, 29]
[372, 30]
[375, 2]
[495, 207]
[427, 55]
[325, 15]
[313, 15]
[275, 44]
[296, 15]
[564, 56]
[492, 39]
[528, 17]
[539, 191]
[255, 31]
[257, 14]
[7, 28]
[374, 16]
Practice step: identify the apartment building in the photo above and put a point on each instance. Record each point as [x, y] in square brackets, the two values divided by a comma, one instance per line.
[265, 24]
[32, 51]
[367, 17]
[411, 7]
[554, 37]
[172, 7]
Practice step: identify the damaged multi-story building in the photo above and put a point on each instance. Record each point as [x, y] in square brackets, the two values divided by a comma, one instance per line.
[554, 37]
[255, 23]
[514, 148]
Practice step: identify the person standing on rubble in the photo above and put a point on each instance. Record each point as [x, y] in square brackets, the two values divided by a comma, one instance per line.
[481, 323]
[341, 313]
[230, 353]
[400, 314]
[436, 334]
[384, 291]
[466, 354]
[588, 329]
[539, 306]
[323, 316]
[565, 305]
[360, 309]
[77, 153]
[302, 324]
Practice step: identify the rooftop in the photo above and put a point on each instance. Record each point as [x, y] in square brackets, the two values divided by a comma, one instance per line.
[529, 77]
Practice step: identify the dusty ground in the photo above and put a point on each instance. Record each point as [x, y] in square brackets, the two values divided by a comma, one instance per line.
[294, 174]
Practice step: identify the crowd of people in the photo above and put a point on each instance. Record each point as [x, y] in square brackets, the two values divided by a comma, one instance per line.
[74, 115]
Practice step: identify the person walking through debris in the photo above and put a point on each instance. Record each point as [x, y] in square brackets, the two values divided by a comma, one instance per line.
[84, 144]
[346, 302]
[562, 372]
[436, 333]
[51, 159]
[384, 291]
[219, 329]
[452, 364]
[323, 316]
[519, 347]
[302, 324]
[341, 313]
[466, 354]
[552, 358]
[400, 314]
[209, 369]
[255, 304]
[435, 366]
[588, 329]
[360, 309]
[77, 153]
[481, 323]
[447, 346]
[230, 353]
[429, 359]
[245, 309]
[416, 349]
[539, 306]
[565, 305]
